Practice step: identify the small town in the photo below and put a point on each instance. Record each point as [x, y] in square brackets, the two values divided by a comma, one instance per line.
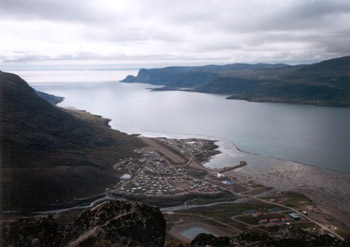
[154, 175]
[171, 170]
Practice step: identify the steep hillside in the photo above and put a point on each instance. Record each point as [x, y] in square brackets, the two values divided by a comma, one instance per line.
[326, 83]
[173, 77]
[190, 77]
[117, 223]
[286, 236]
[49, 97]
[49, 155]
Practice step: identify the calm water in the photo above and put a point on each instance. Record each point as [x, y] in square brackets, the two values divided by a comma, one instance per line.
[194, 231]
[313, 135]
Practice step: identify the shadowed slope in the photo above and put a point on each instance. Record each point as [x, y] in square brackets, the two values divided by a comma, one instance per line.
[49, 155]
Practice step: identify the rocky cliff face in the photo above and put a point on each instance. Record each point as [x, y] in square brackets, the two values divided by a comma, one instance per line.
[288, 236]
[117, 223]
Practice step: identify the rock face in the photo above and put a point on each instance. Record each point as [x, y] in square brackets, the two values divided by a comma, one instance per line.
[35, 231]
[285, 237]
[210, 240]
[117, 223]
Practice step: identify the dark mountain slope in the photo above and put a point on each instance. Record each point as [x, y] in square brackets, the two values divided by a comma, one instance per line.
[173, 77]
[49, 97]
[325, 68]
[326, 83]
[50, 154]
[190, 77]
[117, 223]
[286, 236]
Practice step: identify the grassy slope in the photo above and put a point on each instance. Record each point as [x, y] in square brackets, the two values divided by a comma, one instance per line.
[49, 155]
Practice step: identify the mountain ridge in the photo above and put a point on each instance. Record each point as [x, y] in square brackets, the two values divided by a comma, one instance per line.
[326, 83]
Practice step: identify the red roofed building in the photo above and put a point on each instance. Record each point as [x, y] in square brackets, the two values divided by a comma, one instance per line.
[271, 224]
[275, 220]
[263, 221]
[285, 220]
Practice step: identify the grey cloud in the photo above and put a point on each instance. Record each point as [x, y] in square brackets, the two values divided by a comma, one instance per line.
[258, 15]
[23, 59]
[334, 43]
[307, 15]
[185, 30]
[27, 59]
[63, 10]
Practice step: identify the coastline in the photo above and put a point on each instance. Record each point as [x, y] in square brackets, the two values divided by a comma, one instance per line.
[228, 150]
[315, 103]
[290, 150]
[229, 153]
[328, 189]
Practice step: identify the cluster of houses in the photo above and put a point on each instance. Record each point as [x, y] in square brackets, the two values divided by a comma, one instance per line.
[277, 221]
[152, 175]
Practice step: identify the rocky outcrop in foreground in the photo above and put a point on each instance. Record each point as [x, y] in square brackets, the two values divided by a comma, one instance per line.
[285, 237]
[117, 223]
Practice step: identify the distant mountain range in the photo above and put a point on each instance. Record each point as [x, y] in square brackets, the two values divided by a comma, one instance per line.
[50, 155]
[326, 83]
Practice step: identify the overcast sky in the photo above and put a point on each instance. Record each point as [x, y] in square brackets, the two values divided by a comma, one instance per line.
[146, 33]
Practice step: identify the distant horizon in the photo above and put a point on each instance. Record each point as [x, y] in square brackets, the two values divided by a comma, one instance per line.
[98, 66]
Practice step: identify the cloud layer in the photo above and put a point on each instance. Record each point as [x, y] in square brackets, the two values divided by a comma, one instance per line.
[161, 32]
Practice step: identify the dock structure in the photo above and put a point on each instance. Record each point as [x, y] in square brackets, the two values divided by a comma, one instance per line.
[239, 165]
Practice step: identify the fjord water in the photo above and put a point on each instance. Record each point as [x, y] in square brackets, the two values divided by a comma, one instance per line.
[313, 135]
